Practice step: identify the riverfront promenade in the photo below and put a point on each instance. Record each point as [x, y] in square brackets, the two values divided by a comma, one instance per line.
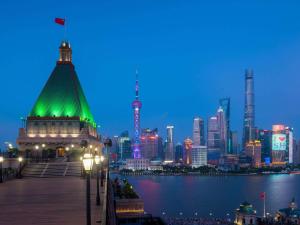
[47, 201]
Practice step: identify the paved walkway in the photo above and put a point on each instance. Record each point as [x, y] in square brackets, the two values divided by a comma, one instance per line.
[47, 201]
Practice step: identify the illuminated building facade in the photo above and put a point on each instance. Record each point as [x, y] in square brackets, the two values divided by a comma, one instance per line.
[282, 145]
[296, 153]
[213, 133]
[253, 150]
[198, 131]
[60, 118]
[225, 105]
[137, 164]
[245, 215]
[124, 146]
[179, 153]
[187, 147]
[169, 153]
[265, 138]
[222, 130]
[114, 150]
[213, 140]
[199, 156]
[150, 144]
[289, 215]
[136, 105]
[229, 162]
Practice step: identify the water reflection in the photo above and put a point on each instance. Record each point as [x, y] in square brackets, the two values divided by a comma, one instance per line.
[218, 196]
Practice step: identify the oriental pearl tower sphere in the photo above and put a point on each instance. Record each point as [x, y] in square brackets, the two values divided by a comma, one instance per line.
[136, 105]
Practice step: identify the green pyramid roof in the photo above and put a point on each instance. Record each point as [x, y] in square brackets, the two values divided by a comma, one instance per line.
[62, 96]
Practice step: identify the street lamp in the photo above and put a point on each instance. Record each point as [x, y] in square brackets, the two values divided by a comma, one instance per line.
[1, 174]
[43, 151]
[81, 169]
[102, 174]
[88, 165]
[107, 143]
[20, 159]
[97, 161]
[36, 153]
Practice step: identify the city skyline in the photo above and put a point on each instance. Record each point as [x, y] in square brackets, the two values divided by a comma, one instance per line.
[207, 74]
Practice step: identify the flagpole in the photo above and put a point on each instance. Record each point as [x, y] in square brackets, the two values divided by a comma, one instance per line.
[65, 30]
[264, 204]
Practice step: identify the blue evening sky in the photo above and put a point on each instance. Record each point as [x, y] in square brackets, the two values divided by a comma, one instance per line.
[189, 54]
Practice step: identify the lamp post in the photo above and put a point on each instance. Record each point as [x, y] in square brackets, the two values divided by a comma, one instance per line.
[43, 152]
[37, 152]
[1, 174]
[102, 174]
[81, 167]
[88, 165]
[20, 159]
[97, 161]
[107, 143]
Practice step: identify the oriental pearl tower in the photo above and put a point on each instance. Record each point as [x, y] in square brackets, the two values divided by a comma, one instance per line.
[136, 105]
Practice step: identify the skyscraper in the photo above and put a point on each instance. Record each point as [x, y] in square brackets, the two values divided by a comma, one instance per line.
[234, 142]
[213, 133]
[213, 140]
[178, 152]
[169, 154]
[188, 144]
[136, 105]
[222, 129]
[282, 145]
[124, 146]
[198, 131]
[253, 151]
[265, 137]
[225, 104]
[249, 110]
[149, 144]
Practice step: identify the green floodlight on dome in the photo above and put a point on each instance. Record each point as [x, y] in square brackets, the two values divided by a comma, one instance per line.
[63, 96]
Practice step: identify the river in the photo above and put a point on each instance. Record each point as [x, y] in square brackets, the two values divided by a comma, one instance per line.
[216, 196]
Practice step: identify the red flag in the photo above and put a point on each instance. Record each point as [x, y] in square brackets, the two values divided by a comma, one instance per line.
[262, 195]
[60, 21]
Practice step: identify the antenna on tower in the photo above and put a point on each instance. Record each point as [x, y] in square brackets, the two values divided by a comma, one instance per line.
[136, 84]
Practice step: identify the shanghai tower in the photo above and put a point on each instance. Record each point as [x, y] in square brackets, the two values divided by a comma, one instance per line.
[249, 110]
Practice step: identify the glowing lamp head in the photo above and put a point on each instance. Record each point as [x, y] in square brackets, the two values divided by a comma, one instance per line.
[88, 162]
[20, 159]
[67, 148]
[101, 158]
[43, 145]
[36, 147]
[97, 159]
[1, 159]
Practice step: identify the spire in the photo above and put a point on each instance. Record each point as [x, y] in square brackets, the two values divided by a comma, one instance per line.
[136, 85]
[65, 53]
